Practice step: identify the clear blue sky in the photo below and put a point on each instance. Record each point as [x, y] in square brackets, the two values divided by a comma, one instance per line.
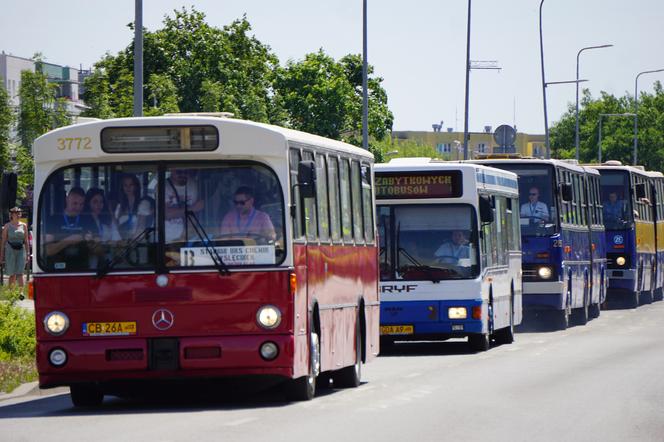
[417, 46]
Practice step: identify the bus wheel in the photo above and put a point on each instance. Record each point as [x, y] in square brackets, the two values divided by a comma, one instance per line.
[86, 395]
[633, 300]
[646, 297]
[506, 335]
[581, 316]
[304, 388]
[594, 310]
[479, 342]
[349, 377]
[561, 319]
[658, 295]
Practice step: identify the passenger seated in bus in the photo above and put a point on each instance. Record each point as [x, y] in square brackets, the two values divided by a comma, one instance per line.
[99, 221]
[451, 252]
[245, 220]
[66, 234]
[145, 214]
[181, 192]
[614, 209]
[125, 211]
[534, 208]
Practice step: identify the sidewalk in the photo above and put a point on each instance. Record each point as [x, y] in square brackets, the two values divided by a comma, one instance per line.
[31, 389]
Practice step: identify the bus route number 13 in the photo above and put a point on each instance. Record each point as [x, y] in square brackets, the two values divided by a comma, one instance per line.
[78, 143]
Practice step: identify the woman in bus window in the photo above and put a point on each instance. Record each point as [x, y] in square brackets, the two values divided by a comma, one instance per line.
[99, 223]
[15, 249]
[126, 210]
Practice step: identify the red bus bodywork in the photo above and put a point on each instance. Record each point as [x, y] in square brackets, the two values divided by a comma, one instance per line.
[213, 318]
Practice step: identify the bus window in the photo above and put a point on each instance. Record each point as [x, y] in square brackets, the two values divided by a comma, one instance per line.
[321, 199]
[356, 189]
[616, 204]
[294, 161]
[333, 189]
[311, 221]
[346, 204]
[367, 204]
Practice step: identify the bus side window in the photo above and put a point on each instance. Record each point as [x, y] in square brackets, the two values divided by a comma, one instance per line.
[321, 199]
[346, 204]
[333, 189]
[356, 190]
[367, 204]
[294, 160]
[311, 221]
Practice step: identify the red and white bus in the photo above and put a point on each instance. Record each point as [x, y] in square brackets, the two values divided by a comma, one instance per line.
[195, 247]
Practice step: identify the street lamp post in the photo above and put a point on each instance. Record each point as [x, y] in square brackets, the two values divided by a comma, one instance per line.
[465, 119]
[636, 108]
[576, 132]
[599, 138]
[545, 85]
[546, 122]
[138, 59]
[365, 92]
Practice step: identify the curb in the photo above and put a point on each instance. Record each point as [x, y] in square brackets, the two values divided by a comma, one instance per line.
[31, 389]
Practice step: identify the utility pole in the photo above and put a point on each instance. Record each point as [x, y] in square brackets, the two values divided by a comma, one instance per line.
[138, 59]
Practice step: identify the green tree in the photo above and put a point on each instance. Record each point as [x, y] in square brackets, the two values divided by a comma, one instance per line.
[197, 59]
[324, 97]
[97, 95]
[162, 95]
[6, 121]
[617, 132]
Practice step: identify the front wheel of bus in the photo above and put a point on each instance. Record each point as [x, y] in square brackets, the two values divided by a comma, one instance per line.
[86, 395]
[349, 377]
[479, 342]
[304, 388]
[506, 335]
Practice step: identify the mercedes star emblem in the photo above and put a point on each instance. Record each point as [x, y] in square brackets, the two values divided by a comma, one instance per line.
[163, 319]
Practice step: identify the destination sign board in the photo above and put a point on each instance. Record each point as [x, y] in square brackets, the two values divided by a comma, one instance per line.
[402, 185]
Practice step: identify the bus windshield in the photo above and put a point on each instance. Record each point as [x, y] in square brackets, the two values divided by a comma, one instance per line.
[428, 242]
[537, 206]
[94, 217]
[615, 199]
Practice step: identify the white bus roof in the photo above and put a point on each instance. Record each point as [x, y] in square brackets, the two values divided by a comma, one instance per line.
[237, 138]
[617, 165]
[571, 165]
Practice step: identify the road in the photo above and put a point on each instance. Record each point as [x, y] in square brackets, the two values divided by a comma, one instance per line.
[601, 382]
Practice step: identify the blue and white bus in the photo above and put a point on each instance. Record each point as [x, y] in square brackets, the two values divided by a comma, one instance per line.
[564, 265]
[450, 259]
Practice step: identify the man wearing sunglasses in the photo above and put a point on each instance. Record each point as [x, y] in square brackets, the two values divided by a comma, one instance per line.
[245, 219]
[534, 208]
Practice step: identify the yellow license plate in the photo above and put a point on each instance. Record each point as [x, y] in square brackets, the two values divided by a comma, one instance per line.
[109, 328]
[397, 330]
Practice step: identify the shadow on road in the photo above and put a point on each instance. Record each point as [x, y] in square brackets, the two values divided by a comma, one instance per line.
[166, 397]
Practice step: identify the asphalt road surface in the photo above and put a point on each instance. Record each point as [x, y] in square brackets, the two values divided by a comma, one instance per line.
[601, 382]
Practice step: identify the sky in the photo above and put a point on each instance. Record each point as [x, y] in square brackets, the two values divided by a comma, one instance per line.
[418, 47]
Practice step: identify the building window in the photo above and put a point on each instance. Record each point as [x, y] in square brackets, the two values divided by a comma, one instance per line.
[443, 147]
[481, 147]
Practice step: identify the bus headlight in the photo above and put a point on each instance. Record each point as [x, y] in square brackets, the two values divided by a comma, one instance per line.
[457, 313]
[544, 272]
[56, 323]
[621, 261]
[268, 316]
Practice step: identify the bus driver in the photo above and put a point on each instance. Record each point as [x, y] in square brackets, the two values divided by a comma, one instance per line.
[534, 208]
[244, 219]
[452, 251]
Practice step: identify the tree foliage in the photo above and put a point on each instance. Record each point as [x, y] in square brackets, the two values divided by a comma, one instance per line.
[40, 110]
[191, 66]
[617, 131]
[6, 121]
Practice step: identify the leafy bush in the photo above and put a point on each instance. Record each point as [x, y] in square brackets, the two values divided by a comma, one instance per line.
[17, 327]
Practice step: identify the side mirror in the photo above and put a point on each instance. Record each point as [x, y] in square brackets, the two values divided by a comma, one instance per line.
[486, 211]
[640, 189]
[306, 178]
[566, 192]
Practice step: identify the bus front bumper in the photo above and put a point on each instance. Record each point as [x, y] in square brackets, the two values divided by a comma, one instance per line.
[544, 295]
[108, 359]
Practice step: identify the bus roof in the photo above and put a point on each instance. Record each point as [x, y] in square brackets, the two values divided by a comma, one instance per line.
[617, 165]
[269, 140]
[571, 165]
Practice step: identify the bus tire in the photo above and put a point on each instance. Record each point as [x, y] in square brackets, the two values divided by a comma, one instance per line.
[658, 295]
[581, 316]
[479, 342]
[86, 395]
[646, 297]
[304, 388]
[633, 299]
[594, 310]
[350, 377]
[561, 319]
[506, 335]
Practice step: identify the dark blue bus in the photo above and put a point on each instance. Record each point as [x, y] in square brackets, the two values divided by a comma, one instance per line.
[564, 261]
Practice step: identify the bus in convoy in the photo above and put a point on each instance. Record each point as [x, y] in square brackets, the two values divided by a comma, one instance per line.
[632, 201]
[196, 247]
[450, 259]
[564, 267]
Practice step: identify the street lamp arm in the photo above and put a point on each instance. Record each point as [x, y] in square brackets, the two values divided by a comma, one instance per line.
[636, 109]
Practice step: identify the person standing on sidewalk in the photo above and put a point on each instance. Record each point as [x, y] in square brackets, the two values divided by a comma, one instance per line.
[14, 248]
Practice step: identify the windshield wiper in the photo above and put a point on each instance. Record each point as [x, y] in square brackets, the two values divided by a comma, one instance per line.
[108, 265]
[219, 264]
